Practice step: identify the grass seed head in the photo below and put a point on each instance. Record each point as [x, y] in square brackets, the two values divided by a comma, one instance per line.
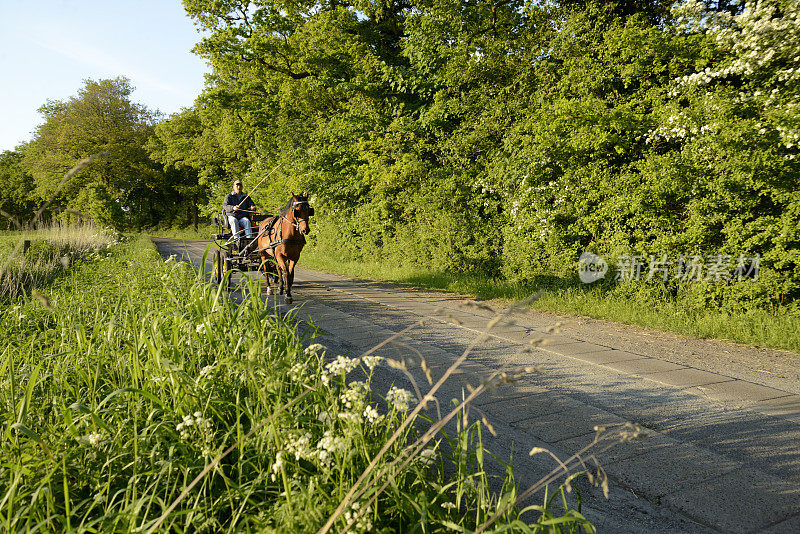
[396, 364]
[45, 302]
[427, 371]
[488, 425]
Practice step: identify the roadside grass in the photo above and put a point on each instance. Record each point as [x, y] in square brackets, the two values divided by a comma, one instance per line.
[51, 252]
[137, 397]
[780, 329]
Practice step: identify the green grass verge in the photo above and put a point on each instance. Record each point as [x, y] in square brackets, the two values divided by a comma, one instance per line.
[780, 329]
[129, 376]
[51, 252]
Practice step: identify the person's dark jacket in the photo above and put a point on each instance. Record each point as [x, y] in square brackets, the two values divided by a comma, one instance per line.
[232, 200]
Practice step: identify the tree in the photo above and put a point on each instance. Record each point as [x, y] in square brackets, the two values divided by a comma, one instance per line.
[17, 204]
[191, 158]
[123, 189]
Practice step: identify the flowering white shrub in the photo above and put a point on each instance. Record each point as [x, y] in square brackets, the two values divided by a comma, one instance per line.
[762, 46]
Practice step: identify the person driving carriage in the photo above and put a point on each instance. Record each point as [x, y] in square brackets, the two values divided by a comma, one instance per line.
[239, 208]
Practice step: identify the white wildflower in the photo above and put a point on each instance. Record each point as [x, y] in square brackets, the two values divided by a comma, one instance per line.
[350, 416]
[95, 439]
[276, 467]
[298, 372]
[195, 425]
[426, 456]
[206, 371]
[371, 415]
[359, 518]
[315, 348]
[328, 445]
[354, 397]
[200, 328]
[300, 446]
[372, 361]
[342, 364]
[399, 398]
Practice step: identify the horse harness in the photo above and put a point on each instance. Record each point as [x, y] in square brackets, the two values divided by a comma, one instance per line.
[281, 241]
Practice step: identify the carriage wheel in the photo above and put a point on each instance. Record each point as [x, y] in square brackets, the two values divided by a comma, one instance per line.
[217, 273]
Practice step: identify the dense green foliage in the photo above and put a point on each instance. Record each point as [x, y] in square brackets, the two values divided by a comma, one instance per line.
[16, 185]
[501, 138]
[505, 138]
[118, 391]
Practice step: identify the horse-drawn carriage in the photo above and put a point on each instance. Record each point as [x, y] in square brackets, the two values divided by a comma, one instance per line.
[241, 253]
[274, 248]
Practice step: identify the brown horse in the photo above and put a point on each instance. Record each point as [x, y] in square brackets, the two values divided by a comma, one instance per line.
[283, 240]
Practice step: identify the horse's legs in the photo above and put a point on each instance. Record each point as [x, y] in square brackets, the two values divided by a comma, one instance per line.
[281, 260]
[265, 267]
[289, 279]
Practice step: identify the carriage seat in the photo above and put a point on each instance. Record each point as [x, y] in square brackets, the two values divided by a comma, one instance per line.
[225, 230]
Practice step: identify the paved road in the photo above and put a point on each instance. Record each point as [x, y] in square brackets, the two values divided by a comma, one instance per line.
[722, 451]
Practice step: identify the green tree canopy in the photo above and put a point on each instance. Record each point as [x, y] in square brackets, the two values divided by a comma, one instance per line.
[16, 190]
[121, 189]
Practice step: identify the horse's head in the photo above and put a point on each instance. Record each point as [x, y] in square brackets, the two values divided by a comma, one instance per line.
[301, 211]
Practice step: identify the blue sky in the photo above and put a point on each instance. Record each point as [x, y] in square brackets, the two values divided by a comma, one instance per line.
[48, 47]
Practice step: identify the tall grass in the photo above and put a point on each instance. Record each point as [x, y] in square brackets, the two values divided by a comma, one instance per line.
[140, 398]
[51, 251]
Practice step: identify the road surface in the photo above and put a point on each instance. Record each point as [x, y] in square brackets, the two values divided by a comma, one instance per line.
[722, 421]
